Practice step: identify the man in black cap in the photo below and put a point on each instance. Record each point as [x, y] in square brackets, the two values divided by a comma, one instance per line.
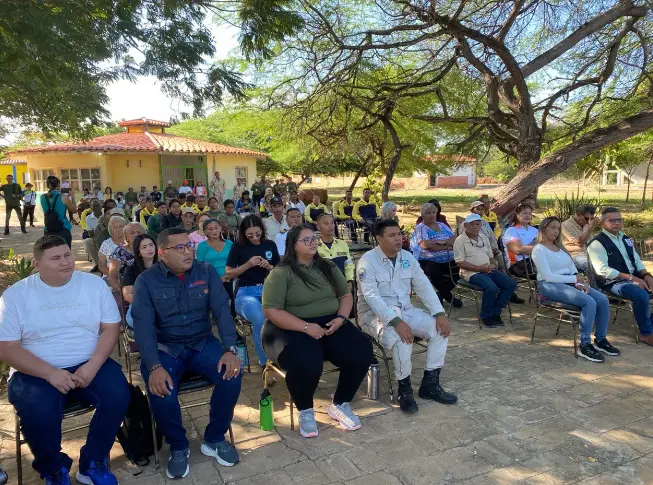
[276, 223]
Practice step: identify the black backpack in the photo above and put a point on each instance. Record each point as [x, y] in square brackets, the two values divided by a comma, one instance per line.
[51, 218]
[135, 434]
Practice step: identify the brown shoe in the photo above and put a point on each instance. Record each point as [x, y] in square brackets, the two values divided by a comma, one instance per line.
[648, 340]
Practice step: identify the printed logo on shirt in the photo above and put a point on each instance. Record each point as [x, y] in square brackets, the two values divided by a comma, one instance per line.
[268, 254]
[629, 242]
[405, 264]
[361, 274]
[342, 254]
[193, 284]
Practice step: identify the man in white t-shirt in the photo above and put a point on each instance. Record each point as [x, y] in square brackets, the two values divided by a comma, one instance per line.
[57, 331]
[277, 222]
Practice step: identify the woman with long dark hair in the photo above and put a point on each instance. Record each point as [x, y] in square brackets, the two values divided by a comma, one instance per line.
[249, 262]
[215, 251]
[145, 255]
[519, 240]
[306, 301]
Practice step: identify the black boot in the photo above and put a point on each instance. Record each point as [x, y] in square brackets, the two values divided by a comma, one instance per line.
[405, 395]
[431, 388]
[515, 298]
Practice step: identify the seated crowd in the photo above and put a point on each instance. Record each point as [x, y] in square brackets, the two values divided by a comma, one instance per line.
[181, 265]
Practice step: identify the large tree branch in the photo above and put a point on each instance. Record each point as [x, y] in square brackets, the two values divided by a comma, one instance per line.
[625, 8]
[537, 174]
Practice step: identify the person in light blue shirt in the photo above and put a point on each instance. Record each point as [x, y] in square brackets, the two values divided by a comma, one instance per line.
[61, 203]
[215, 251]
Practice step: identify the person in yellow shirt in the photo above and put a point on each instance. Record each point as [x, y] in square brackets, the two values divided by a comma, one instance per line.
[365, 212]
[337, 250]
[490, 217]
[345, 213]
[190, 202]
[314, 209]
[147, 211]
[201, 204]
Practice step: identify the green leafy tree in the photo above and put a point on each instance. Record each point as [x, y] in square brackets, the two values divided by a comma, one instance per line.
[56, 58]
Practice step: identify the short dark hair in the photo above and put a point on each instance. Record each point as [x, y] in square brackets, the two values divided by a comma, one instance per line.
[172, 201]
[164, 235]
[227, 202]
[190, 197]
[149, 199]
[585, 209]
[296, 209]
[44, 243]
[609, 210]
[52, 183]
[322, 216]
[367, 188]
[382, 224]
[160, 203]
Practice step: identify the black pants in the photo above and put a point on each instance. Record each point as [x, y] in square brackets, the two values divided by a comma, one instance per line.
[302, 357]
[352, 225]
[519, 269]
[8, 210]
[367, 225]
[229, 288]
[28, 210]
[439, 275]
[64, 233]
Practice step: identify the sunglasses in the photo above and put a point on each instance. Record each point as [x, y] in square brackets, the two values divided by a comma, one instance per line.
[256, 235]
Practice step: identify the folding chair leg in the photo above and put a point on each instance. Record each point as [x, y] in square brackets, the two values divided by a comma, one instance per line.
[249, 362]
[292, 416]
[154, 442]
[534, 324]
[573, 324]
[616, 314]
[509, 313]
[478, 311]
[19, 456]
[559, 323]
[231, 435]
[386, 362]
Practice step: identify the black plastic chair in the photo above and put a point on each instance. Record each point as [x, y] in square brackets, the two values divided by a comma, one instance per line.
[190, 382]
[71, 410]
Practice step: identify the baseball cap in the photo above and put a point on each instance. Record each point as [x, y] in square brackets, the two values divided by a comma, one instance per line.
[276, 200]
[476, 203]
[186, 210]
[169, 181]
[472, 218]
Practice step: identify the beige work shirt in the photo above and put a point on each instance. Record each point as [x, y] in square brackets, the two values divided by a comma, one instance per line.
[477, 252]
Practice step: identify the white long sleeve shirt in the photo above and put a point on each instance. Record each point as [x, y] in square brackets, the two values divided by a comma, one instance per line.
[552, 266]
[382, 286]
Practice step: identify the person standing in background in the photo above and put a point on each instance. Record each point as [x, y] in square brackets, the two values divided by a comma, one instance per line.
[12, 193]
[29, 203]
[59, 202]
[170, 192]
[218, 188]
[239, 189]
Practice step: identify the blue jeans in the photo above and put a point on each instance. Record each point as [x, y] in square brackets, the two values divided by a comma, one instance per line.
[40, 406]
[248, 304]
[497, 287]
[594, 308]
[640, 300]
[167, 411]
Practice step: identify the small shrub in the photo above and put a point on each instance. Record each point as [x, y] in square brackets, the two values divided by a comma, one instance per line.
[633, 220]
[565, 207]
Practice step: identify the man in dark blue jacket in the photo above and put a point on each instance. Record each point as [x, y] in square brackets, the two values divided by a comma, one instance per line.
[171, 308]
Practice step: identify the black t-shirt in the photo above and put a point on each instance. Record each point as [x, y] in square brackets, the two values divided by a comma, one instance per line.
[239, 255]
[131, 273]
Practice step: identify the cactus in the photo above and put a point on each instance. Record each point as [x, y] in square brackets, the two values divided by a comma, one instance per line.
[21, 266]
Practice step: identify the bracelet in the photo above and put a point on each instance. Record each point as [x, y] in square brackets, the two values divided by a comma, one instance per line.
[155, 367]
[305, 327]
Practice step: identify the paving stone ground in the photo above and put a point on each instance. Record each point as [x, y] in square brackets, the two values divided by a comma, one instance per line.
[529, 414]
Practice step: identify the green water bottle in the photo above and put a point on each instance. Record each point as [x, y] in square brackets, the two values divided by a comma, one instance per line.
[266, 411]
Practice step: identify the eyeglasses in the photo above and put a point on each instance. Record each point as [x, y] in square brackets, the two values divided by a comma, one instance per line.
[181, 248]
[616, 221]
[256, 235]
[310, 240]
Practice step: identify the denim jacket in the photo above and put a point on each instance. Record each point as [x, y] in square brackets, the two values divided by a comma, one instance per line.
[170, 314]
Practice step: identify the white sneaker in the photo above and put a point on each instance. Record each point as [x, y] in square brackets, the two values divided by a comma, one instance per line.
[344, 415]
[307, 424]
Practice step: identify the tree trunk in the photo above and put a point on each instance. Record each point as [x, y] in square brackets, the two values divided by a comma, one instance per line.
[628, 190]
[557, 162]
[359, 173]
[648, 168]
[392, 167]
[304, 177]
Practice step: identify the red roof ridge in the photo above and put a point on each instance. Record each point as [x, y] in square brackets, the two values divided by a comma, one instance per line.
[144, 121]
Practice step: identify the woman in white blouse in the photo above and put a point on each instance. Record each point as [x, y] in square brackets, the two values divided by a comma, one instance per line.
[557, 280]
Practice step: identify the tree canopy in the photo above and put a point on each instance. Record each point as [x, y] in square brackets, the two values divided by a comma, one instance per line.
[56, 58]
[545, 82]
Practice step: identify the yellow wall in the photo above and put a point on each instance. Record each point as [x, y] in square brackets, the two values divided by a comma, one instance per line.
[141, 129]
[19, 178]
[143, 169]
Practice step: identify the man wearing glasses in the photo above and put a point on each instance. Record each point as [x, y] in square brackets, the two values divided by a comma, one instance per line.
[171, 308]
[619, 270]
[576, 231]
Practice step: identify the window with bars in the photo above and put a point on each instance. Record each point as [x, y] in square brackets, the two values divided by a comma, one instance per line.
[82, 178]
[40, 177]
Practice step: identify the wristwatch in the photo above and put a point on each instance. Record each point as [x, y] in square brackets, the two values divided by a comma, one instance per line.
[344, 318]
[233, 349]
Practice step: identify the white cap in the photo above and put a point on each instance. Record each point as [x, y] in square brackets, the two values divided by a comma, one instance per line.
[169, 181]
[472, 218]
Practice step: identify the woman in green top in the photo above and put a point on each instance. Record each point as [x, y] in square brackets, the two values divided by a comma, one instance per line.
[214, 208]
[305, 300]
